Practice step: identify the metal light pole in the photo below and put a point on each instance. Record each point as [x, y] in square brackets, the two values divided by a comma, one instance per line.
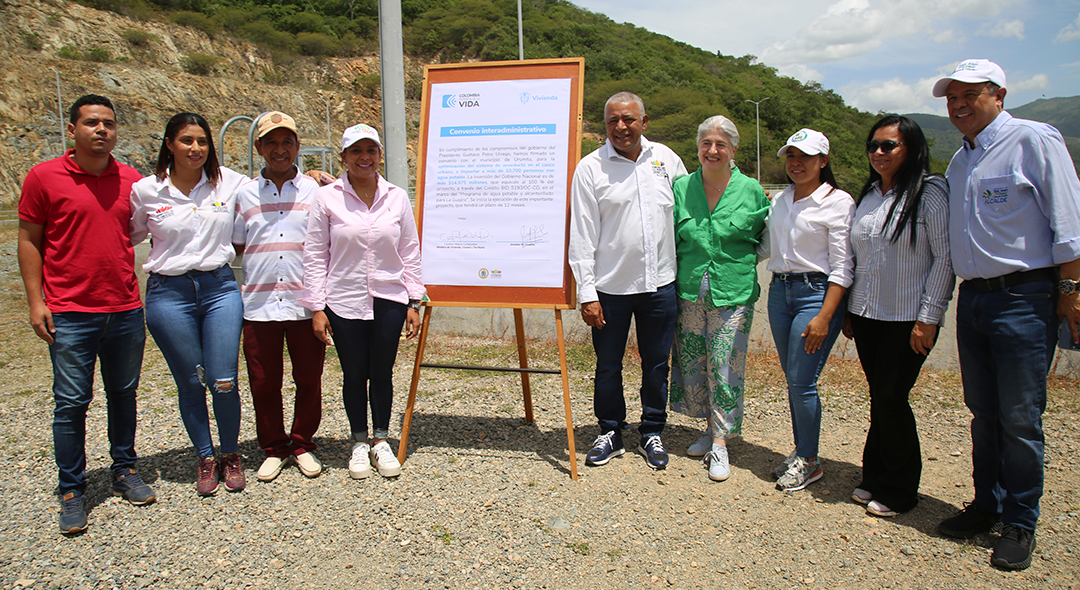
[757, 115]
[521, 37]
[392, 75]
[329, 141]
[60, 112]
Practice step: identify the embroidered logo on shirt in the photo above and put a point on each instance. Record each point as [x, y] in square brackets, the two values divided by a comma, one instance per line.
[162, 213]
[219, 207]
[658, 168]
[996, 195]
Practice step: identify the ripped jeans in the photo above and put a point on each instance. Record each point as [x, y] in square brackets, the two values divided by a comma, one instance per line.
[195, 319]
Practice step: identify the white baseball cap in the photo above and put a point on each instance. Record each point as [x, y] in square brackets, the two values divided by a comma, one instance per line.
[356, 133]
[971, 71]
[808, 141]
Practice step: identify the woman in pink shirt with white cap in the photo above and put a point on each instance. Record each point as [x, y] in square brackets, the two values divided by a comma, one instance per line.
[362, 281]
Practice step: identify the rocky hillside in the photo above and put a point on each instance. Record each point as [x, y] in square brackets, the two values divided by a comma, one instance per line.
[145, 78]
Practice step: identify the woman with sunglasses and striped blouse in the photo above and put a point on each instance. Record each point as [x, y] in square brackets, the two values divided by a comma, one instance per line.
[903, 283]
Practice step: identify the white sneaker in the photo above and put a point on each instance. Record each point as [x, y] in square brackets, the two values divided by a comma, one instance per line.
[359, 463]
[701, 447]
[270, 468]
[384, 460]
[309, 464]
[719, 469]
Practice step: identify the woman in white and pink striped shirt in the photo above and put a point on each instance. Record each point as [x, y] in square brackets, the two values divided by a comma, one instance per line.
[362, 281]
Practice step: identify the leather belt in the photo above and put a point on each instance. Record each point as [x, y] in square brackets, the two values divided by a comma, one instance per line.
[1012, 279]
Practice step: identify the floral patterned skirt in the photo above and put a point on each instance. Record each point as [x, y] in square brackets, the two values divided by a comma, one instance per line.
[708, 366]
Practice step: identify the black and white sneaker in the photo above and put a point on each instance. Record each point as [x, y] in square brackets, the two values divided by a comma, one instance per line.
[653, 450]
[605, 447]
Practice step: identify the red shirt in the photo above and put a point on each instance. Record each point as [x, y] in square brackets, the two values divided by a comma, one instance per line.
[89, 263]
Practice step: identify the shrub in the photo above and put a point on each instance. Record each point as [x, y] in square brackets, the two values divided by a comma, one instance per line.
[98, 54]
[368, 85]
[32, 41]
[200, 64]
[69, 52]
[138, 37]
[265, 34]
[195, 21]
[316, 44]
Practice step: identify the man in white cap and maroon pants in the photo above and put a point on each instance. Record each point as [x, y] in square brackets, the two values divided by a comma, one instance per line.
[1014, 230]
[271, 224]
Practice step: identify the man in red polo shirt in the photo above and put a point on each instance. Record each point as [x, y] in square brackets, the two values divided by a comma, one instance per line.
[78, 266]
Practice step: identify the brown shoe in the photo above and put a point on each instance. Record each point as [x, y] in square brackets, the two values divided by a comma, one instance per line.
[208, 477]
[232, 472]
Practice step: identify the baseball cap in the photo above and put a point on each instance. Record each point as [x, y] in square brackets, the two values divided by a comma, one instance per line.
[808, 141]
[357, 132]
[274, 119]
[971, 71]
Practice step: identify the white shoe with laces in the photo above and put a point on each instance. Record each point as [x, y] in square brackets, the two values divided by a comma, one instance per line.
[359, 463]
[719, 468]
[384, 460]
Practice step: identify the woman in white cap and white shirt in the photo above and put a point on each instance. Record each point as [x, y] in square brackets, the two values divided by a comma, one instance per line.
[810, 257]
[362, 281]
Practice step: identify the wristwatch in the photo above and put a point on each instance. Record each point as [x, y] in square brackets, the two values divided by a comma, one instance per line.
[1067, 286]
[414, 304]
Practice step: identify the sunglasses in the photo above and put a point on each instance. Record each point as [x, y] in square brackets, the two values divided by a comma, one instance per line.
[886, 146]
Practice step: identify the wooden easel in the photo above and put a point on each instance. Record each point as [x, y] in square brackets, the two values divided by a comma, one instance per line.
[522, 368]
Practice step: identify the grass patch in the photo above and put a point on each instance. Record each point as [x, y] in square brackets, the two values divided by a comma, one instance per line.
[442, 534]
[580, 547]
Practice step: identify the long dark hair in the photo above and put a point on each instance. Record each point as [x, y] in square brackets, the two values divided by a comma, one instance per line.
[910, 180]
[172, 128]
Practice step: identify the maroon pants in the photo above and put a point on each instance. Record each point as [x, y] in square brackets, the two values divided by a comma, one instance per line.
[263, 349]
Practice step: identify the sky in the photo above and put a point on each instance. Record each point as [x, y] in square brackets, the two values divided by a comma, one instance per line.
[880, 55]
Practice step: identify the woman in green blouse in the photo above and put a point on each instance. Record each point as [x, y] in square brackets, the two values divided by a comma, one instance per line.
[719, 217]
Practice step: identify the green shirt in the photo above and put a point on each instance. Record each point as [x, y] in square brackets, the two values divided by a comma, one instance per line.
[723, 241]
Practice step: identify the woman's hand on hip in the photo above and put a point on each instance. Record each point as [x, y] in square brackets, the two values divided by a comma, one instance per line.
[923, 337]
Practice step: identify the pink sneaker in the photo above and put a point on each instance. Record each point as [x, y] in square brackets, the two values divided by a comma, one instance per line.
[232, 473]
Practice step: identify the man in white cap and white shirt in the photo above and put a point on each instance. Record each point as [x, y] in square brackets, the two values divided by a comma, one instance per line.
[271, 225]
[1014, 230]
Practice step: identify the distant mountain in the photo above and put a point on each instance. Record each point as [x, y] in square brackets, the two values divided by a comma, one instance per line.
[1062, 113]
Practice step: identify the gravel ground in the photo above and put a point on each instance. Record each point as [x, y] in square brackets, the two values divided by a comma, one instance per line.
[485, 500]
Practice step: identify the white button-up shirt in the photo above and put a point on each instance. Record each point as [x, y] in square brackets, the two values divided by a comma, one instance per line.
[811, 234]
[622, 232]
[271, 226]
[189, 232]
[1015, 200]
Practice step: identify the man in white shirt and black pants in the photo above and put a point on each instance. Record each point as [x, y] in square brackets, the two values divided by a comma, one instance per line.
[622, 253]
[1014, 233]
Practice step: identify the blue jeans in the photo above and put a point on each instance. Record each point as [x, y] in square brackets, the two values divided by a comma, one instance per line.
[1005, 341]
[654, 316]
[792, 304]
[196, 319]
[80, 338]
[367, 350]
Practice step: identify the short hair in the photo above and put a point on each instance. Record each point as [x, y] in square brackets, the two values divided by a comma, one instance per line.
[621, 97]
[88, 100]
[723, 125]
[172, 129]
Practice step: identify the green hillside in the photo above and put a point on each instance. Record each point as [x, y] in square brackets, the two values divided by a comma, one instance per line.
[681, 85]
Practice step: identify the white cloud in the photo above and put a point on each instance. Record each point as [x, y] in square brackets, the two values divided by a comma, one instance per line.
[851, 28]
[800, 72]
[893, 96]
[1071, 32]
[1011, 28]
[1036, 82]
[944, 36]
